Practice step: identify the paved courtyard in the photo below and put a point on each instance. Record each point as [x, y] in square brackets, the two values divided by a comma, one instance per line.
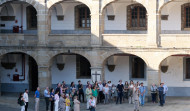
[9, 103]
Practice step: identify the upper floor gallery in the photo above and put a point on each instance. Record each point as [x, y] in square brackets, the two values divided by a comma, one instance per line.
[117, 23]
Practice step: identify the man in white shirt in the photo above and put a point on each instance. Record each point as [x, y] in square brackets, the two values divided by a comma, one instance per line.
[47, 95]
[25, 96]
[100, 91]
[165, 91]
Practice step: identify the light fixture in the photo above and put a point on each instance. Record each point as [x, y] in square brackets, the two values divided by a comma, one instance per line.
[164, 66]
[111, 63]
[60, 61]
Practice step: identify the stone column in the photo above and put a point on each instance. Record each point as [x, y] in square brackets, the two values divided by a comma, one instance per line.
[96, 74]
[44, 77]
[153, 76]
[96, 38]
[44, 70]
[42, 23]
[152, 24]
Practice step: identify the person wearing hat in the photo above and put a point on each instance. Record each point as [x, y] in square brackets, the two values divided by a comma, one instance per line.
[81, 92]
[142, 90]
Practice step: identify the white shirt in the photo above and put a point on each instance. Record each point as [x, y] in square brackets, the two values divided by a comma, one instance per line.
[93, 102]
[131, 86]
[25, 97]
[100, 86]
[165, 89]
[110, 84]
[106, 90]
[46, 93]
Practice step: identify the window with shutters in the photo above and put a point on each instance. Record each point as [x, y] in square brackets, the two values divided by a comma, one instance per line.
[82, 17]
[82, 67]
[185, 16]
[136, 17]
[31, 18]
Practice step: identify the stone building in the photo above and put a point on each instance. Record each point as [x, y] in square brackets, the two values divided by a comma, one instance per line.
[43, 42]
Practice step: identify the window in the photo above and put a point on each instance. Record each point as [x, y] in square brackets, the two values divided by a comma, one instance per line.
[31, 18]
[82, 67]
[82, 17]
[187, 68]
[137, 67]
[136, 17]
[185, 17]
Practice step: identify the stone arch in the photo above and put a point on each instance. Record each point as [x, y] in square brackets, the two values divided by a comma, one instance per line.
[104, 58]
[10, 11]
[19, 51]
[107, 56]
[23, 65]
[52, 57]
[163, 3]
[50, 3]
[107, 2]
[171, 54]
[34, 3]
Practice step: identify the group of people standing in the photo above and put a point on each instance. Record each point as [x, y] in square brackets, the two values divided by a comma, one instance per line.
[161, 91]
[64, 98]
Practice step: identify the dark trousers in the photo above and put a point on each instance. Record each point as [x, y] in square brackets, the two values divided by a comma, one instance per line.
[52, 105]
[26, 106]
[120, 94]
[164, 98]
[101, 96]
[81, 94]
[161, 96]
[153, 97]
[92, 109]
[47, 103]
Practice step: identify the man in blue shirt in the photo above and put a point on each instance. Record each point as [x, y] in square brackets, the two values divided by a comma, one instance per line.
[161, 94]
[165, 91]
[37, 99]
[47, 95]
[142, 94]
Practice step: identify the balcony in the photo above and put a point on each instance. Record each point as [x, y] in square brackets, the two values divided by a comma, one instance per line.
[123, 38]
[18, 39]
[175, 40]
[69, 39]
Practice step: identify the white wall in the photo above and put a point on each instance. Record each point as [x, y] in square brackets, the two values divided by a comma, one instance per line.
[69, 18]
[4, 72]
[174, 76]
[120, 12]
[17, 11]
[68, 74]
[172, 9]
[121, 71]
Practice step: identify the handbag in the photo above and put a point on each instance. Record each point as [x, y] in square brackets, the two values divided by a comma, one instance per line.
[50, 99]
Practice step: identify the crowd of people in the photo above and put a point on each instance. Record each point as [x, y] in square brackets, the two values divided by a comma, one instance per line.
[64, 98]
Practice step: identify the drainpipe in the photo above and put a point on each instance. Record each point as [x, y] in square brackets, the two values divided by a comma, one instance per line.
[23, 68]
[21, 18]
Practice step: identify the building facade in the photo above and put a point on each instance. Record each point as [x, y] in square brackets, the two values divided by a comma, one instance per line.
[46, 42]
